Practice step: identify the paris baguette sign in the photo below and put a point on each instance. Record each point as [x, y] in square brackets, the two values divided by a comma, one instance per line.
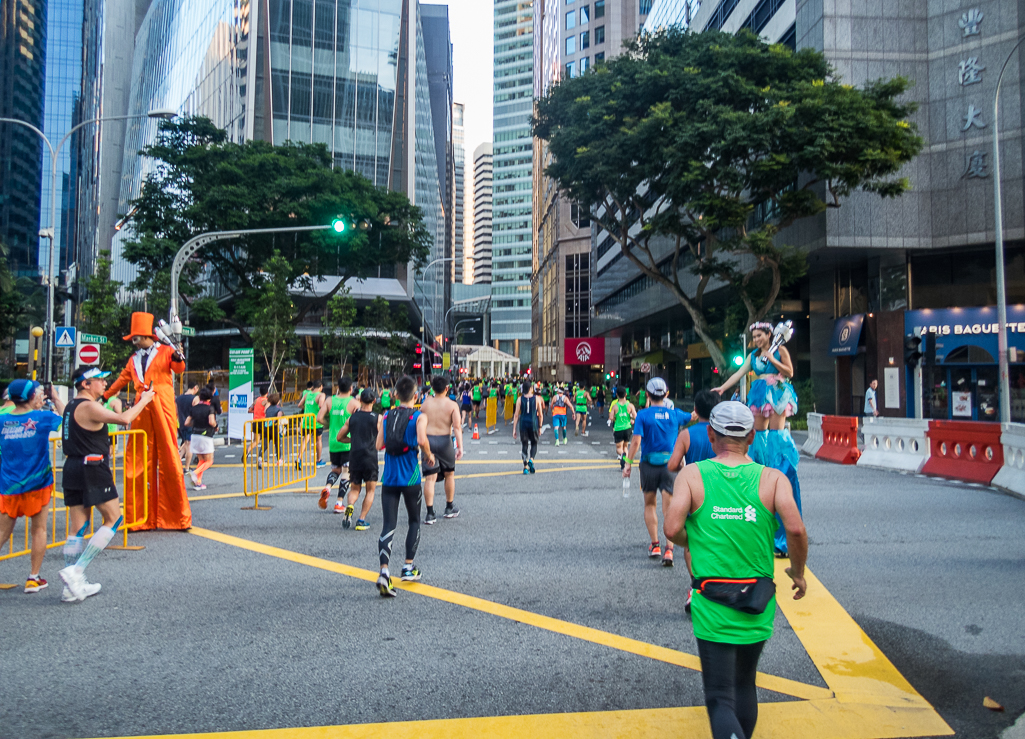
[584, 351]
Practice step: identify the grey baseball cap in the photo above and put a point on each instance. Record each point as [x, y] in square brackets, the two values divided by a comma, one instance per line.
[731, 418]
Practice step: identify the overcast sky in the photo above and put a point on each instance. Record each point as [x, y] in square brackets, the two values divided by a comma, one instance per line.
[472, 28]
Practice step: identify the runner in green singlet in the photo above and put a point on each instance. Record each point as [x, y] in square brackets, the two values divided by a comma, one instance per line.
[724, 509]
[336, 413]
[475, 394]
[312, 400]
[622, 415]
[581, 402]
[642, 399]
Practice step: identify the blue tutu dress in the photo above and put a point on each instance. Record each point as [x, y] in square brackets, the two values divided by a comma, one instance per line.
[770, 393]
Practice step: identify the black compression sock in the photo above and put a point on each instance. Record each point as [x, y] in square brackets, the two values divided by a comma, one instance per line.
[430, 509]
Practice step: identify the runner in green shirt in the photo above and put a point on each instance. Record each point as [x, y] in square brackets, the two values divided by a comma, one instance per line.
[642, 399]
[336, 413]
[475, 394]
[622, 415]
[724, 509]
[386, 396]
[312, 401]
[581, 402]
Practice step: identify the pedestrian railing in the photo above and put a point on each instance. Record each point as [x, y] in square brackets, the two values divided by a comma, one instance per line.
[279, 451]
[134, 499]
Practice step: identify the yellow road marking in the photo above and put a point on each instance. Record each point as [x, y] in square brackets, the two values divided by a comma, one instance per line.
[566, 628]
[817, 719]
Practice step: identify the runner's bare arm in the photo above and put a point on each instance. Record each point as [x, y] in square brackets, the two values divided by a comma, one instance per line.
[679, 450]
[380, 431]
[635, 445]
[95, 413]
[457, 424]
[797, 536]
[680, 505]
[422, 441]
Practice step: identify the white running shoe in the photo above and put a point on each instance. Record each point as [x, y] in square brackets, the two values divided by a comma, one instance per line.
[74, 580]
[195, 482]
[91, 588]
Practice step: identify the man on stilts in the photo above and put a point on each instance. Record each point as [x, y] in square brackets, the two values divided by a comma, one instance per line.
[152, 366]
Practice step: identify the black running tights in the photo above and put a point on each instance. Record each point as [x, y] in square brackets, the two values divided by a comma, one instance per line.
[411, 495]
[528, 442]
[728, 673]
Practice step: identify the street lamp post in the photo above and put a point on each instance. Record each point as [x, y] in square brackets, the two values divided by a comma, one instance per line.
[50, 233]
[423, 316]
[190, 247]
[998, 215]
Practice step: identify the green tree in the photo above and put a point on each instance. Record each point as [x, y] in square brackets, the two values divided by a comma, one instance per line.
[12, 303]
[339, 335]
[202, 182]
[103, 314]
[696, 150]
[269, 309]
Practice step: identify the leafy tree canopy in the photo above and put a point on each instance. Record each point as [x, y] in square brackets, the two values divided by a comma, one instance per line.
[202, 182]
[696, 150]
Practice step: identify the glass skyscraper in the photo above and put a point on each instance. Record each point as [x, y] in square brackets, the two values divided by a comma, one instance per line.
[511, 263]
[63, 96]
[22, 66]
[350, 74]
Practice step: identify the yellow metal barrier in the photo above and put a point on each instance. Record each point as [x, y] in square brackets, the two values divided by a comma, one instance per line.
[285, 453]
[491, 415]
[510, 402]
[134, 503]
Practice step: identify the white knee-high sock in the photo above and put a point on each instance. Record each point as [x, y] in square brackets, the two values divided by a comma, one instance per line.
[98, 543]
[73, 546]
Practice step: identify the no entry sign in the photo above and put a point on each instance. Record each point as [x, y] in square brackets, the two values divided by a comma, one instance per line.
[88, 354]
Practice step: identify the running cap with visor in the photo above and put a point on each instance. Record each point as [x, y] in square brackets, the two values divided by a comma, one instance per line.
[88, 373]
[657, 386]
[21, 391]
[731, 418]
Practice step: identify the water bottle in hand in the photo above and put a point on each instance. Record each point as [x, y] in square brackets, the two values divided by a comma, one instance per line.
[626, 487]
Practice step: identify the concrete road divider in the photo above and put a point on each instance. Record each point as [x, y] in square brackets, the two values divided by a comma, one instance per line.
[895, 443]
[839, 440]
[964, 450]
[814, 441]
[1011, 477]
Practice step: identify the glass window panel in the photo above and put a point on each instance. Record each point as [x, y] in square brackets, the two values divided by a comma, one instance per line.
[279, 22]
[571, 19]
[599, 9]
[342, 36]
[302, 23]
[301, 92]
[323, 98]
[279, 86]
[599, 35]
[585, 14]
[325, 30]
[584, 65]
[599, 57]
[571, 44]
[585, 40]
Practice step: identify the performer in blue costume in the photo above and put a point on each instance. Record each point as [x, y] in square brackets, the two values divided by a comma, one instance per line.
[772, 400]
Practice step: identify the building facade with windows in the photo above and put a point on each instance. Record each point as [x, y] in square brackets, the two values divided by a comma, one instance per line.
[23, 39]
[482, 194]
[885, 266]
[351, 74]
[569, 39]
[458, 194]
[511, 262]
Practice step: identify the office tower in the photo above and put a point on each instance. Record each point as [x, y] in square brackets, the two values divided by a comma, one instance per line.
[351, 74]
[569, 39]
[511, 263]
[458, 194]
[482, 213]
[22, 70]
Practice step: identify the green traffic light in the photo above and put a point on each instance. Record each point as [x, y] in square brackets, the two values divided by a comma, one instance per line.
[338, 225]
[738, 360]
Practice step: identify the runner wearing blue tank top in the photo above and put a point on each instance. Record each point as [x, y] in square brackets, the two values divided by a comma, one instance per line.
[401, 480]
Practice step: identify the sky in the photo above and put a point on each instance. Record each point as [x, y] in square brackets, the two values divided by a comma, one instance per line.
[472, 28]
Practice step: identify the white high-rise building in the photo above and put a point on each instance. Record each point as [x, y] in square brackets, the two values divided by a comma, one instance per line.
[482, 214]
[511, 261]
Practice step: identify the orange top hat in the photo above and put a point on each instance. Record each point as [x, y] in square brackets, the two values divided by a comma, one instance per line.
[142, 325]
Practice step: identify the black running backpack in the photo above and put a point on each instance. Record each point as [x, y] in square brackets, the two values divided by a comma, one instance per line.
[395, 430]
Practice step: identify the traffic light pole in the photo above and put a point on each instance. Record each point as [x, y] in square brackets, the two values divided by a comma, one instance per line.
[919, 411]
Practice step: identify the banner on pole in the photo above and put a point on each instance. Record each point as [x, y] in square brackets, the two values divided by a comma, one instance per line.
[240, 390]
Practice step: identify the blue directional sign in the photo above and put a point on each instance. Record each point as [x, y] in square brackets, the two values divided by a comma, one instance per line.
[64, 337]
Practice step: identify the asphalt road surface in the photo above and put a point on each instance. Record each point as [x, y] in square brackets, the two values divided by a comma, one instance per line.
[270, 619]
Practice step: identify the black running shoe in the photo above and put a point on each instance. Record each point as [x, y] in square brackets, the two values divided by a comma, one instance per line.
[411, 573]
[451, 512]
[430, 519]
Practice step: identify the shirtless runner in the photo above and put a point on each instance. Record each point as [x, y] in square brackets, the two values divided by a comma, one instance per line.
[442, 421]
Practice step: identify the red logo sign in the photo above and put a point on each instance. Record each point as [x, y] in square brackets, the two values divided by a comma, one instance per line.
[89, 354]
[584, 351]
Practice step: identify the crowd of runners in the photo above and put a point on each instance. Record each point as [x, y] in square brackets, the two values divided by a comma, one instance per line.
[739, 457]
